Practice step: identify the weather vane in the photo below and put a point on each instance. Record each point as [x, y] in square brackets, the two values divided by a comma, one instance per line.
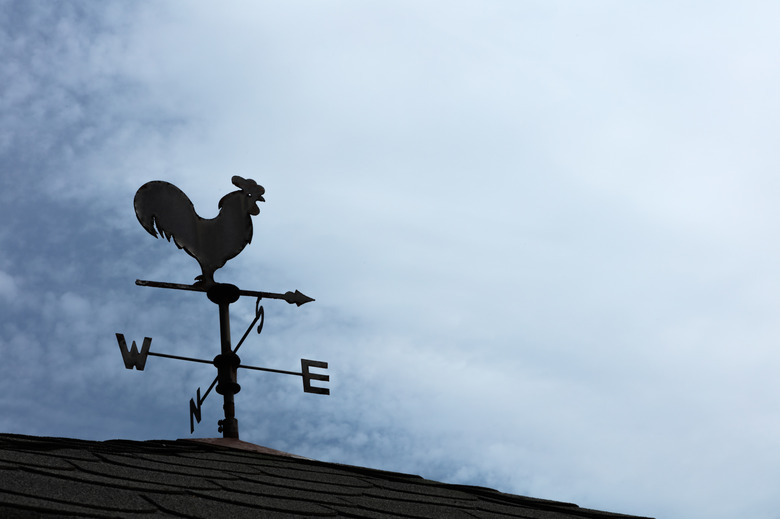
[163, 208]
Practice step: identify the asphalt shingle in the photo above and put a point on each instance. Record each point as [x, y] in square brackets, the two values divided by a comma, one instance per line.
[42, 477]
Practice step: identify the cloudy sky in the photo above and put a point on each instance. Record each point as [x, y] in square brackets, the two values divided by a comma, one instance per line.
[542, 236]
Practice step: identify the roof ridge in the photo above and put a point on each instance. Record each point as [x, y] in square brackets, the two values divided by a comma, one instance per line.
[235, 443]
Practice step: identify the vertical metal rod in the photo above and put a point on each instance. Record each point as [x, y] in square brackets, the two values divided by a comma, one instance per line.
[230, 425]
[227, 361]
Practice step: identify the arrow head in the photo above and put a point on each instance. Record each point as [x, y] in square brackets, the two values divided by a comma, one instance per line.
[297, 297]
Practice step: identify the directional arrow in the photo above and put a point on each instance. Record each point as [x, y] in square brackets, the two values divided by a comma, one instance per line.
[296, 297]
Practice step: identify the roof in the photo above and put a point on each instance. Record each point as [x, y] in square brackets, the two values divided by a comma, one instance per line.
[41, 477]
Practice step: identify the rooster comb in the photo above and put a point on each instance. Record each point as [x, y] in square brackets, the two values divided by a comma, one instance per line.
[248, 185]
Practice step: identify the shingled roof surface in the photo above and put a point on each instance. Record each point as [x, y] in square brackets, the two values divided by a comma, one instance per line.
[59, 477]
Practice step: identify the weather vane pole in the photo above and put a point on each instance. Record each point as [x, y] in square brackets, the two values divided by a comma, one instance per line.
[163, 208]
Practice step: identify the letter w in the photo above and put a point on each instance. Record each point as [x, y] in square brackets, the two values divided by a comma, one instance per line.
[132, 358]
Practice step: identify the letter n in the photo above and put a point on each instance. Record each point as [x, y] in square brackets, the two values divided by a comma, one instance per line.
[132, 358]
[195, 411]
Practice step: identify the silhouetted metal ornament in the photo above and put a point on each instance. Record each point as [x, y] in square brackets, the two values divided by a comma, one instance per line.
[164, 208]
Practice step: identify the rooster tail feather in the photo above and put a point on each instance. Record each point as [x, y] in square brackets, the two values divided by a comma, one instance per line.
[160, 229]
[161, 208]
[148, 223]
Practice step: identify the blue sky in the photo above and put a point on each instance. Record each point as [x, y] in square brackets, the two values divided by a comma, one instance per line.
[541, 236]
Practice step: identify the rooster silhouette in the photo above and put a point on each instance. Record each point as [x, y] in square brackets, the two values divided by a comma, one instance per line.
[161, 206]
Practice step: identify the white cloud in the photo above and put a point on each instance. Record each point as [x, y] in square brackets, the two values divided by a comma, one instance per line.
[8, 287]
[540, 235]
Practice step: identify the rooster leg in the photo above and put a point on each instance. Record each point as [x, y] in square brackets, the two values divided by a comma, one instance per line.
[205, 280]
